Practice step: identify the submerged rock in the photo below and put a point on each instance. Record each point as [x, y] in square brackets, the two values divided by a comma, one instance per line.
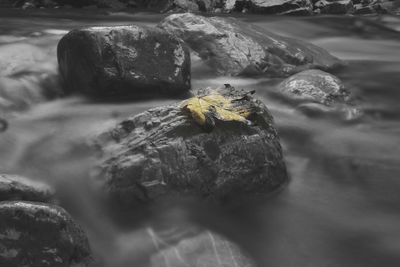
[14, 187]
[204, 248]
[3, 125]
[38, 234]
[169, 151]
[317, 91]
[123, 61]
[233, 47]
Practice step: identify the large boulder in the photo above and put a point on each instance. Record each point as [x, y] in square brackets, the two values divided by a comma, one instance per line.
[15, 187]
[280, 6]
[123, 61]
[186, 149]
[38, 234]
[233, 47]
[316, 91]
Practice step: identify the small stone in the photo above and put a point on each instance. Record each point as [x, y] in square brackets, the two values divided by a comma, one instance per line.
[316, 92]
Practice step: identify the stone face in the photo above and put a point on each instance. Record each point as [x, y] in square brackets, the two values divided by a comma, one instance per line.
[38, 234]
[334, 6]
[312, 88]
[165, 152]
[278, 6]
[14, 187]
[232, 47]
[124, 61]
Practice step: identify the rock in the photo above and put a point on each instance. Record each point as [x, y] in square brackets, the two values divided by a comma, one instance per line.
[229, 5]
[369, 7]
[279, 6]
[166, 152]
[190, 5]
[204, 248]
[334, 6]
[14, 187]
[3, 125]
[317, 92]
[233, 47]
[123, 61]
[38, 234]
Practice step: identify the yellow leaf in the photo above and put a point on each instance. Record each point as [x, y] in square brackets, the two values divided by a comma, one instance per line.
[215, 106]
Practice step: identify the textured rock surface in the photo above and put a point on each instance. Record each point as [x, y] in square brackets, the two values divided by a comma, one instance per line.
[279, 6]
[124, 61]
[190, 5]
[14, 187]
[204, 248]
[33, 234]
[164, 152]
[232, 47]
[334, 6]
[315, 86]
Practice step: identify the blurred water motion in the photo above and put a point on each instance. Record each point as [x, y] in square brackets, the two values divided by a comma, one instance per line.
[341, 208]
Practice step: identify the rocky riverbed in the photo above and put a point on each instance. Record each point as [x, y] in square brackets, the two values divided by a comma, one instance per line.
[140, 139]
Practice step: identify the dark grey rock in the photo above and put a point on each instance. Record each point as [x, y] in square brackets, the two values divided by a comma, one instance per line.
[370, 7]
[38, 234]
[3, 125]
[14, 187]
[164, 152]
[233, 47]
[317, 91]
[190, 5]
[278, 6]
[334, 6]
[123, 61]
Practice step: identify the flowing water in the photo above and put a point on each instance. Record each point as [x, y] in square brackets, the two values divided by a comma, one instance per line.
[341, 206]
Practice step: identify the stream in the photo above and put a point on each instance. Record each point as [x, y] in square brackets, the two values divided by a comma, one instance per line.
[341, 206]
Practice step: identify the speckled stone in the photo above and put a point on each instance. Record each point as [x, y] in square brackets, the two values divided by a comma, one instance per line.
[38, 234]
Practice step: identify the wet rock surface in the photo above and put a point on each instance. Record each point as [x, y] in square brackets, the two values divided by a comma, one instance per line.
[334, 6]
[317, 91]
[279, 6]
[190, 5]
[38, 234]
[233, 47]
[123, 61]
[165, 152]
[14, 187]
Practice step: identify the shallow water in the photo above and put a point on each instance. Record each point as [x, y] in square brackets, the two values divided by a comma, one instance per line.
[341, 206]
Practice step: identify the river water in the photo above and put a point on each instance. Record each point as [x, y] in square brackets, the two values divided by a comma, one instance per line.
[341, 206]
